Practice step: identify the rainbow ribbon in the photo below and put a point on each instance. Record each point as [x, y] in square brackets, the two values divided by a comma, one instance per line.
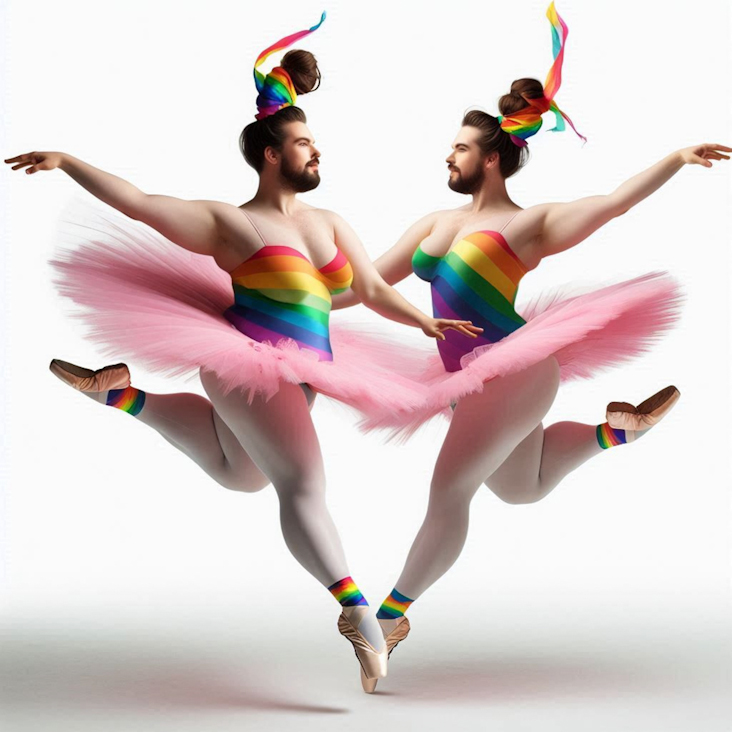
[276, 89]
[527, 121]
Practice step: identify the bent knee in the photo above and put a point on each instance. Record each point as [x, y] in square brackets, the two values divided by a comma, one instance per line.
[246, 487]
[451, 493]
[300, 487]
[518, 496]
[242, 483]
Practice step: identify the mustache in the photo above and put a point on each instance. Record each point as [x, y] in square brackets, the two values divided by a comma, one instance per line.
[314, 161]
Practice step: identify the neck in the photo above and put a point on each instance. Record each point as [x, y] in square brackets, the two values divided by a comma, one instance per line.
[273, 196]
[491, 195]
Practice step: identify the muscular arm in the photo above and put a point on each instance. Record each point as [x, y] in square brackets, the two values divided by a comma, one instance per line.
[194, 225]
[564, 225]
[374, 292]
[396, 264]
[190, 224]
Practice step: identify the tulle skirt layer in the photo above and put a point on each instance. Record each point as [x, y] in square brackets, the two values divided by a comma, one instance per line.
[587, 333]
[146, 299]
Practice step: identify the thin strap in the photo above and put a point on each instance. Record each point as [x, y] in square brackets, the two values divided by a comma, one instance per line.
[251, 221]
[509, 221]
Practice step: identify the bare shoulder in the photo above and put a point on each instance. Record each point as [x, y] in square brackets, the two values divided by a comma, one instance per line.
[326, 215]
[334, 223]
[449, 214]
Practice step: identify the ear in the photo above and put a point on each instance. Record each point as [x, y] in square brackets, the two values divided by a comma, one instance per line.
[492, 160]
[271, 155]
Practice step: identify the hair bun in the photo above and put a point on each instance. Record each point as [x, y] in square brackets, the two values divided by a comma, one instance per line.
[522, 90]
[302, 68]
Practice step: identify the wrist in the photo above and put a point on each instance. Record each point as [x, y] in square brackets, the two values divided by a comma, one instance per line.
[423, 321]
[65, 161]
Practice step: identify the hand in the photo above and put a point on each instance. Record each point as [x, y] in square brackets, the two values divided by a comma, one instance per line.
[37, 161]
[433, 328]
[704, 154]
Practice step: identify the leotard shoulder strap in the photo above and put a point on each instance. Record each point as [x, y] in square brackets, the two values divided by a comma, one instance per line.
[256, 228]
[509, 221]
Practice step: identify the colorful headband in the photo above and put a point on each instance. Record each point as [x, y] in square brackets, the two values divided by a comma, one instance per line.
[276, 90]
[527, 121]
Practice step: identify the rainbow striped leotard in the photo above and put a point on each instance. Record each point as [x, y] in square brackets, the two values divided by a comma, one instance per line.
[476, 280]
[279, 294]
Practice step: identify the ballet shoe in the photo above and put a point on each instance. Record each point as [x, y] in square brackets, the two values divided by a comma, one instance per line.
[393, 639]
[373, 662]
[116, 376]
[396, 636]
[624, 416]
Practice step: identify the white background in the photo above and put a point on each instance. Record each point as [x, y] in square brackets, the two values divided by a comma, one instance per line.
[137, 594]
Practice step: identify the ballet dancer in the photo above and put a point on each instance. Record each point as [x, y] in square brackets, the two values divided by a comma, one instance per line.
[502, 384]
[262, 358]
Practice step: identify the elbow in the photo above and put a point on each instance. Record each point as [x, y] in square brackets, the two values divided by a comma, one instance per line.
[617, 206]
[136, 207]
[372, 293]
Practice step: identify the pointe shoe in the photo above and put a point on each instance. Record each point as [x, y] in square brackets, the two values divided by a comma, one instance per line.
[373, 662]
[393, 639]
[116, 376]
[624, 416]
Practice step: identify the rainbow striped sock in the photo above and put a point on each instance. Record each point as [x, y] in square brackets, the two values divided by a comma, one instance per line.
[347, 593]
[608, 436]
[394, 606]
[129, 400]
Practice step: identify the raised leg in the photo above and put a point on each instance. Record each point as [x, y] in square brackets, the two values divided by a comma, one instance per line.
[542, 459]
[187, 421]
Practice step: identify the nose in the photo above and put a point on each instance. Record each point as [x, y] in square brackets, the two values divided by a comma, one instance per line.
[450, 159]
[316, 152]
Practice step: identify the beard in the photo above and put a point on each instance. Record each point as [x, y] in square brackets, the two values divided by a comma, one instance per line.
[467, 184]
[299, 181]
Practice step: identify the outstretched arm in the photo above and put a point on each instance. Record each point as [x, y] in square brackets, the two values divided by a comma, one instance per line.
[395, 264]
[561, 226]
[190, 224]
[373, 291]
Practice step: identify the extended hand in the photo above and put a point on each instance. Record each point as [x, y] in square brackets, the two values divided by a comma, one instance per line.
[434, 328]
[704, 154]
[37, 161]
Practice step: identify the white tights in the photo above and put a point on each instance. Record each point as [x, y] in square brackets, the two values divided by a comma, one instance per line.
[496, 433]
[244, 447]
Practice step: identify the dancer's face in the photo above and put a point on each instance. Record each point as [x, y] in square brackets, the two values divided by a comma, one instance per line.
[466, 162]
[299, 162]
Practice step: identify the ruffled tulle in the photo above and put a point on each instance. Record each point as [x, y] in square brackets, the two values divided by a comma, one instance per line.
[587, 333]
[144, 298]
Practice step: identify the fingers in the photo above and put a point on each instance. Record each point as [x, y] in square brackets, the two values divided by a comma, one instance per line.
[25, 157]
[24, 160]
[462, 329]
[700, 161]
[465, 327]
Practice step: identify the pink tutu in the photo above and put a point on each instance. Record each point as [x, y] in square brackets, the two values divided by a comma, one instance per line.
[587, 333]
[145, 298]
